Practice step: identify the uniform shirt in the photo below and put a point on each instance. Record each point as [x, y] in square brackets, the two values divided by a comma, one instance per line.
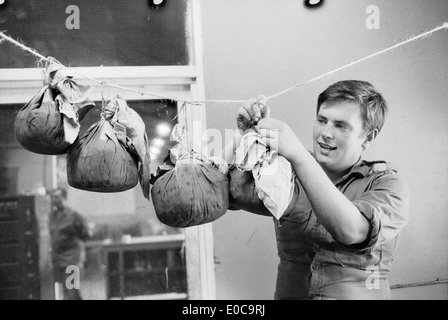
[67, 230]
[313, 264]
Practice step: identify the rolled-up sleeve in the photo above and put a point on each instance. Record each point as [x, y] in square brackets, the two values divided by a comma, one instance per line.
[386, 206]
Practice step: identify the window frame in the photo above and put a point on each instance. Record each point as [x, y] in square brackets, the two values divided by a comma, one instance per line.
[18, 85]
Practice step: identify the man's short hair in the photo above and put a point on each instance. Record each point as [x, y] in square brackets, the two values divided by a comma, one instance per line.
[373, 106]
[60, 189]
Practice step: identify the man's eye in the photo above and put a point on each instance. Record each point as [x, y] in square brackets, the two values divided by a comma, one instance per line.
[341, 126]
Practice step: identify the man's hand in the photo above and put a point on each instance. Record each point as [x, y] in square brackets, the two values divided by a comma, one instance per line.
[251, 112]
[281, 138]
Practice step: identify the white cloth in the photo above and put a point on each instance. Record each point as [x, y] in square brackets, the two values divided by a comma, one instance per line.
[71, 99]
[274, 180]
[130, 122]
[70, 119]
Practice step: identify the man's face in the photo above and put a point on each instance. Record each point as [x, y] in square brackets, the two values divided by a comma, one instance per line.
[57, 199]
[338, 136]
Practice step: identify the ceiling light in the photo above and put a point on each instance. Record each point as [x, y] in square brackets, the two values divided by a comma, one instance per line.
[158, 142]
[163, 129]
[154, 150]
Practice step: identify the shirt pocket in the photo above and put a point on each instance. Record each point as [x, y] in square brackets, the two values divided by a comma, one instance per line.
[292, 242]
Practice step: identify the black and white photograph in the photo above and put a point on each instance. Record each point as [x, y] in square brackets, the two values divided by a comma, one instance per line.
[244, 152]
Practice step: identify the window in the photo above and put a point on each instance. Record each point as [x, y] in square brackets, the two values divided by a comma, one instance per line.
[110, 32]
[136, 46]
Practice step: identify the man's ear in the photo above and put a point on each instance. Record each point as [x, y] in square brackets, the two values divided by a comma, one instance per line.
[369, 138]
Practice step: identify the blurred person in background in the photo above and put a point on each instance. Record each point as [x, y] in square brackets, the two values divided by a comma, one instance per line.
[68, 231]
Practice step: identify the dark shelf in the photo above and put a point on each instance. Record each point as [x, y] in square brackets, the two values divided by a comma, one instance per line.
[151, 267]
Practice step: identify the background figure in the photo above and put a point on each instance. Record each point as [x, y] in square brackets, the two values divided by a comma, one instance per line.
[68, 230]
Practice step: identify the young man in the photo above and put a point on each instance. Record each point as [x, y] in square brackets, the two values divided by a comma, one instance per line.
[67, 231]
[340, 240]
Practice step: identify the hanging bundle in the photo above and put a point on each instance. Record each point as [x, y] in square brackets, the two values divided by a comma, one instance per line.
[189, 189]
[261, 181]
[243, 194]
[49, 122]
[137, 138]
[111, 156]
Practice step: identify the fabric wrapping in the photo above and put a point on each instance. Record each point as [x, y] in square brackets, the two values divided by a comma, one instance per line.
[272, 179]
[49, 122]
[104, 158]
[190, 189]
[243, 194]
[39, 125]
[137, 139]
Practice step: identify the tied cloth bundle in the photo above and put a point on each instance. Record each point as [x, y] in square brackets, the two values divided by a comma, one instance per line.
[189, 189]
[261, 181]
[49, 122]
[112, 155]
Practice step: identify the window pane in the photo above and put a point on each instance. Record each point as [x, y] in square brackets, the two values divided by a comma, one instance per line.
[153, 114]
[21, 171]
[111, 33]
[126, 213]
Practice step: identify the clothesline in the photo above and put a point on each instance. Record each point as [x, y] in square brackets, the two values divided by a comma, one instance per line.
[199, 102]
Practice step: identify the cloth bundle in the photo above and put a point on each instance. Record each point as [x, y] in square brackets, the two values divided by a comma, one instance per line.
[242, 192]
[261, 181]
[189, 189]
[112, 155]
[49, 122]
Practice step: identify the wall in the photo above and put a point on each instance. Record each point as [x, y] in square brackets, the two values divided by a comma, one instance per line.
[256, 47]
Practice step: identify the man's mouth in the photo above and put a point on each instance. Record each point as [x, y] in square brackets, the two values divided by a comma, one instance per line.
[326, 146]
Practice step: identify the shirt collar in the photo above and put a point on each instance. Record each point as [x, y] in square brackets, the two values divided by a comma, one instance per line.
[359, 168]
[366, 168]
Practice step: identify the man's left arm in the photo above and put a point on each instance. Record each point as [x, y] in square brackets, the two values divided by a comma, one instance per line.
[337, 214]
[385, 206]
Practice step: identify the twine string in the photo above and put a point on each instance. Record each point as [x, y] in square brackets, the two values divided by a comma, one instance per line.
[201, 102]
[425, 34]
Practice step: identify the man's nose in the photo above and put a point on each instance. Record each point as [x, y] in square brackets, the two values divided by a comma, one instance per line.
[327, 132]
